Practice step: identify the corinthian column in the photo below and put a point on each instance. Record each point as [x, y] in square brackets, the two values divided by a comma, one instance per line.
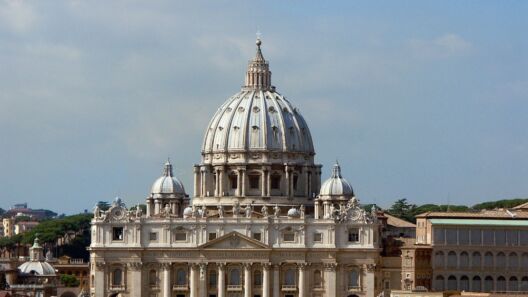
[247, 280]
[166, 267]
[203, 285]
[266, 280]
[330, 279]
[221, 279]
[302, 284]
[193, 285]
[276, 280]
[135, 280]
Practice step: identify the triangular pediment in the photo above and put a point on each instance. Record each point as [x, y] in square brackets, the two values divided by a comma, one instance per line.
[234, 240]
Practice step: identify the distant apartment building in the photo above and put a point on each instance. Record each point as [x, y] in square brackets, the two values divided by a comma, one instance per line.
[8, 225]
[484, 251]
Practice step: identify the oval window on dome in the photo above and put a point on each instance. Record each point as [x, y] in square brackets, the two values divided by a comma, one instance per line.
[241, 109]
[256, 109]
[228, 109]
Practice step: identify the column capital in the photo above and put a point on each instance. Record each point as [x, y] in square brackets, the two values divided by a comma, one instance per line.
[100, 265]
[247, 266]
[276, 266]
[302, 266]
[266, 266]
[135, 266]
[221, 265]
[330, 266]
[165, 266]
[370, 267]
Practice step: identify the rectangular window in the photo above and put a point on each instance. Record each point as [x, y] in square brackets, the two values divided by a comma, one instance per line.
[234, 181]
[254, 181]
[153, 236]
[500, 237]
[117, 233]
[288, 237]
[212, 236]
[353, 235]
[180, 236]
[318, 237]
[439, 236]
[524, 237]
[451, 236]
[257, 236]
[295, 180]
[488, 237]
[513, 237]
[476, 236]
[463, 236]
[275, 182]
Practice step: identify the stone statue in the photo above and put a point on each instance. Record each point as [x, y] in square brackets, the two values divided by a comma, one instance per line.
[236, 209]
[264, 211]
[204, 211]
[220, 211]
[97, 212]
[194, 212]
[277, 210]
[332, 211]
[248, 210]
[167, 210]
[139, 212]
[302, 210]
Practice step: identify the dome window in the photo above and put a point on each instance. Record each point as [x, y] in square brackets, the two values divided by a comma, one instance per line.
[285, 109]
[256, 109]
[241, 109]
[220, 128]
[236, 128]
[272, 109]
[255, 127]
[228, 109]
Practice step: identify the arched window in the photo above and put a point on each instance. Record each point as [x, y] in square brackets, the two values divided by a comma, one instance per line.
[153, 279]
[500, 260]
[513, 284]
[275, 181]
[439, 283]
[464, 260]
[451, 259]
[475, 260]
[254, 180]
[488, 284]
[451, 283]
[212, 278]
[488, 260]
[476, 284]
[181, 277]
[464, 283]
[501, 283]
[289, 278]
[318, 280]
[439, 259]
[513, 261]
[524, 284]
[257, 278]
[353, 279]
[117, 277]
[234, 277]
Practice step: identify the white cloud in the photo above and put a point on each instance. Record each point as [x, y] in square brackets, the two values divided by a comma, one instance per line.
[18, 15]
[443, 46]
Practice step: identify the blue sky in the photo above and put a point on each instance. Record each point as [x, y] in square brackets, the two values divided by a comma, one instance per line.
[417, 99]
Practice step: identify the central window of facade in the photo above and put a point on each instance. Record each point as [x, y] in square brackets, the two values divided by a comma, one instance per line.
[275, 181]
[117, 233]
[353, 235]
[254, 181]
[180, 236]
[288, 237]
[234, 181]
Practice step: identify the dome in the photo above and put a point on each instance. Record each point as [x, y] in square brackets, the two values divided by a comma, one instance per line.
[167, 183]
[37, 264]
[37, 268]
[188, 212]
[293, 212]
[336, 185]
[257, 118]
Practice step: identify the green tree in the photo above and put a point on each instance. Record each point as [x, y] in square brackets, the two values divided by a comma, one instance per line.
[142, 206]
[403, 210]
[505, 203]
[69, 280]
[103, 205]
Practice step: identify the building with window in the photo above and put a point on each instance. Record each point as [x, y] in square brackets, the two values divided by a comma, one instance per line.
[260, 222]
[483, 251]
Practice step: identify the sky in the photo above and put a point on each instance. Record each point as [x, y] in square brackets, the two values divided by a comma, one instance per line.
[424, 100]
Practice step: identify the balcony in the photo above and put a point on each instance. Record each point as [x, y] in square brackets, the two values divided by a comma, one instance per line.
[234, 287]
[114, 288]
[184, 287]
[289, 288]
[354, 288]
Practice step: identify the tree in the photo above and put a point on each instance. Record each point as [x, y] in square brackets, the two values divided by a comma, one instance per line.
[505, 203]
[103, 205]
[142, 206]
[69, 280]
[2, 211]
[403, 210]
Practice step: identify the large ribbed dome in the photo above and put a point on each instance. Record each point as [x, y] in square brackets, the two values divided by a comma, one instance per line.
[257, 118]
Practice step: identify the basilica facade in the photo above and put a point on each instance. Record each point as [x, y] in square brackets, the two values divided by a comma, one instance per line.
[260, 222]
